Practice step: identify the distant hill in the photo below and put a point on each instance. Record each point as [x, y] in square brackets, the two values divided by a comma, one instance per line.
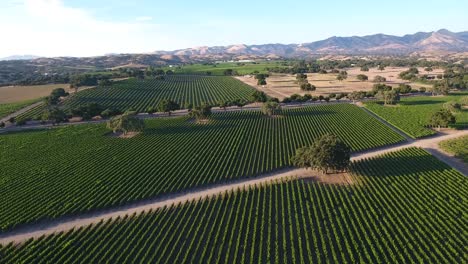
[20, 57]
[379, 44]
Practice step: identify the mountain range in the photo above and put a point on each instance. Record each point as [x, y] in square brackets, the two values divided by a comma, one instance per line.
[379, 44]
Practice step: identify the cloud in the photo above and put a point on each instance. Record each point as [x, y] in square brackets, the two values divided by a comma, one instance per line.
[50, 28]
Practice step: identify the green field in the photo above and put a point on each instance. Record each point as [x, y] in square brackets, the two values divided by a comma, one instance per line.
[457, 147]
[141, 94]
[407, 208]
[6, 109]
[218, 69]
[72, 169]
[412, 114]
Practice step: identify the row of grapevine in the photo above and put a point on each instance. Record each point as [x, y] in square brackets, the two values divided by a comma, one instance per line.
[141, 94]
[412, 115]
[406, 207]
[68, 170]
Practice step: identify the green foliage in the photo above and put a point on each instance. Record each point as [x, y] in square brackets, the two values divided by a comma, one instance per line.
[325, 154]
[365, 68]
[271, 108]
[125, 123]
[412, 114]
[362, 77]
[9, 108]
[87, 111]
[403, 88]
[388, 97]
[54, 115]
[201, 112]
[258, 96]
[442, 118]
[405, 207]
[82, 168]
[308, 87]
[141, 94]
[457, 147]
[379, 79]
[167, 106]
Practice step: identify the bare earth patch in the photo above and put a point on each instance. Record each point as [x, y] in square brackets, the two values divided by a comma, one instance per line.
[342, 178]
[284, 85]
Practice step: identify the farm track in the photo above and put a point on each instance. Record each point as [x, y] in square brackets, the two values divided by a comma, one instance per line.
[66, 223]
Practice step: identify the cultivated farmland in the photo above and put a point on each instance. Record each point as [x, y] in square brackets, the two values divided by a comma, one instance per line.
[408, 208]
[141, 94]
[6, 109]
[412, 114]
[78, 168]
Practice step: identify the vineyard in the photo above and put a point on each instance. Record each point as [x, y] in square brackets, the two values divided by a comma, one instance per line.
[408, 208]
[79, 168]
[141, 94]
[412, 114]
[6, 109]
[219, 68]
[457, 147]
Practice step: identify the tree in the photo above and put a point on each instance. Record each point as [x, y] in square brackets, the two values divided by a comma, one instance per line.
[428, 69]
[167, 106]
[365, 68]
[224, 104]
[109, 112]
[452, 106]
[442, 118]
[381, 68]
[356, 96]
[87, 111]
[440, 87]
[381, 87]
[271, 108]
[240, 102]
[55, 115]
[308, 87]
[403, 88]
[201, 112]
[341, 77]
[379, 79]
[228, 72]
[389, 97]
[261, 82]
[326, 153]
[125, 123]
[362, 77]
[51, 100]
[104, 82]
[58, 92]
[2, 124]
[259, 96]
[464, 101]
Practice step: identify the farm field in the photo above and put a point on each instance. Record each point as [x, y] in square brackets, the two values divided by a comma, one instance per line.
[79, 168]
[141, 94]
[218, 69]
[412, 114]
[6, 109]
[15, 94]
[283, 85]
[408, 208]
[457, 147]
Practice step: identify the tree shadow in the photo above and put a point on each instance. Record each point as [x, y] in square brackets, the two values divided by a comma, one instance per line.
[399, 166]
[422, 102]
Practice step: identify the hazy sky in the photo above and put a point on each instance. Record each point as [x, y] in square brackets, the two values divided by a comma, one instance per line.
[92, 27]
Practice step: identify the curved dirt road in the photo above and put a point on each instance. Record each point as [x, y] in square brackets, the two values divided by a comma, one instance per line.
[66, 223]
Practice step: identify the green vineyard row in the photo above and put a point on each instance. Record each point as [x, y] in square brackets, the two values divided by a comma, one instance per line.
[80, 168]
[404, 207]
